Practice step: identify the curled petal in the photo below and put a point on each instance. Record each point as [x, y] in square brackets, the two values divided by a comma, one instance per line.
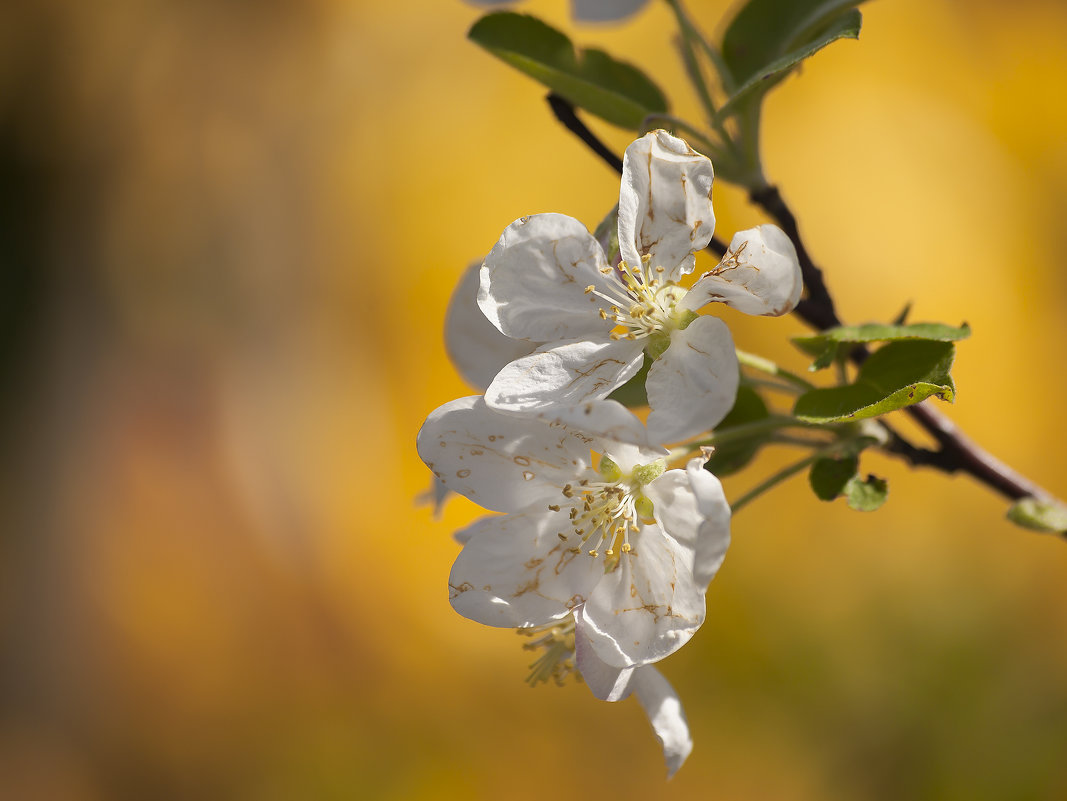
[665, 203]
[533, 281]
[665, 713]
[713, 537]
[760, 274]
[502, 462]
[565, 373]
[475, 346]
[514, 571]
[647, 607]
[692, 386]
[607, 682]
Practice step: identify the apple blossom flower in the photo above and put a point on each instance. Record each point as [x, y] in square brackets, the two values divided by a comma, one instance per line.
[586, 10]
[548, 280]
[565, 652]
[627, 548]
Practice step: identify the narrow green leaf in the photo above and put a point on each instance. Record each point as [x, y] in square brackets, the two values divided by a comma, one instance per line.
[825, 345]
[866, 495]
[828, 477]
[748, 408]
[1047, 516]
[769, 38]
[896, 375]
[590, 79]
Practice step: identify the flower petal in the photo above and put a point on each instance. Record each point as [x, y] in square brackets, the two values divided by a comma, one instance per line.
[615, 427]
[503, 462]
[759, 275]
[607, 682]
[665, 713]
[692, 386]
[691, 507]
[604, 10]
[533, 281]
[648, 607]
[475, 346]
[665, 203]
[566, 373]
[514, 571]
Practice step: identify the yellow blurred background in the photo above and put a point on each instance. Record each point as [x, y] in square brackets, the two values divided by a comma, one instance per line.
[229, 234]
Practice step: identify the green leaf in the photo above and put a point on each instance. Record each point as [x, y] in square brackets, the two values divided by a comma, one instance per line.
[769, 38]
[828, 477]
[1047, 516]
[896, 375]
[590, 79]
[866, 495]
[729, 458]
[825, 346]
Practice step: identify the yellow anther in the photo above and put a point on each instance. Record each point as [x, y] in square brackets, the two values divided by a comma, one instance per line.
[562, 536]
[590, 288]
[626, 547]
[594, 554]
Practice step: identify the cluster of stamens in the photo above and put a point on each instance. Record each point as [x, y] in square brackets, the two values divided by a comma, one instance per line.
[641, 300]
[557, 641]
[602, 515]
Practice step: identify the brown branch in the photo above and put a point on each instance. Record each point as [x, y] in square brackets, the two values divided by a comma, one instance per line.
[956, 451]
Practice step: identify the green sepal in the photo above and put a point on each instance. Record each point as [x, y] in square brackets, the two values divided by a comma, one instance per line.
[590, 79]
[898, 374]
[769, 38]
[1047, 516]
[748, 408]
[826, 346]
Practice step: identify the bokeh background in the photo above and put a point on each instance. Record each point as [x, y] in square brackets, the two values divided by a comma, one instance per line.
[229, 234]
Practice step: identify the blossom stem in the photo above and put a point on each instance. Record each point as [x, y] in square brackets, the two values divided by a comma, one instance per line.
[745, 431]
[830, 450]
[685, 45]
[769, 367]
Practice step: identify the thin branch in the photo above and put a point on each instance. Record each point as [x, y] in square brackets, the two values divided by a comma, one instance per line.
[957, 452]
[564, 112]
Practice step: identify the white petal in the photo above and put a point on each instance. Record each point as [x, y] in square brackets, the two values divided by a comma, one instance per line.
[476, 347]
[611, 425]
[665, 713]
[607, 682]
[604, 10]
[691, 507]
[502, 462]
[514, 571]
[760, 275]
[665, 203]
[692, 386]
[533, 281]
[648, 607]
[566, 374]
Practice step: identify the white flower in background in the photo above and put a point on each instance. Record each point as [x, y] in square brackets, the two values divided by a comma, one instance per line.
[548, 280]
[628, 548]
[476, 347]
[585, 10]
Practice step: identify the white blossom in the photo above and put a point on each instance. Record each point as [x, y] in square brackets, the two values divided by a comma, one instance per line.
[627, 548]
[548, 280]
